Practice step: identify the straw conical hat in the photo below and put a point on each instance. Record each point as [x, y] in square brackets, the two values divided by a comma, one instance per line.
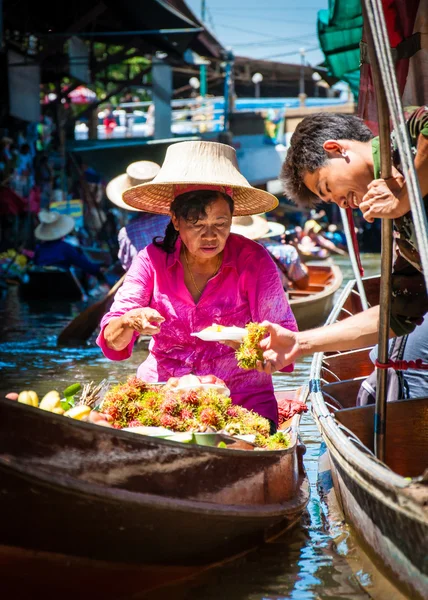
[136, 173]
[53, 226]
[256, 227]
[199, 165]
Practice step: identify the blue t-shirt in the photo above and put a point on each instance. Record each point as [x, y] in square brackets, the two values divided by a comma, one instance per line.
[61, 254]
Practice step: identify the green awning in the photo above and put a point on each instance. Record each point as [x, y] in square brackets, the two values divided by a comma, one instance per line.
[340, 29]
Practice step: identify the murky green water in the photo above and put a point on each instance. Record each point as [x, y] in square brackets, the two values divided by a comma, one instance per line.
[302, 565]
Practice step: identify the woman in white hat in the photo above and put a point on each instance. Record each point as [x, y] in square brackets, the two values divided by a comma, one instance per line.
[269, 234]
[198, 274]
[53, 251]
[141, 229]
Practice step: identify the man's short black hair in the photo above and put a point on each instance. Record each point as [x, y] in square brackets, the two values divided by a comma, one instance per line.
[306, 153]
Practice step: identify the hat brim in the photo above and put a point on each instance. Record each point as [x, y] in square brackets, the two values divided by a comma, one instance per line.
[48, 232]
[275, 229]
[115, 189]
[157, 197]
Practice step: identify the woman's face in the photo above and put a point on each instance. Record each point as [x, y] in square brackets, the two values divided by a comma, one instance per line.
[207, 237]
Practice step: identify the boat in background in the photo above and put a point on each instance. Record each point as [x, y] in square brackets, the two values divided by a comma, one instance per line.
[116, 513]
[53, 283]
[312, 305]
[386, 504]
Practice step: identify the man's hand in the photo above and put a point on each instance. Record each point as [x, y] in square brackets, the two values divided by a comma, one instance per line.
[281, 348]
[144, 320]
[385, 199]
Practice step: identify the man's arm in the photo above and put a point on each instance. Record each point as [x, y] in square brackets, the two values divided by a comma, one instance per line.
[283, 347]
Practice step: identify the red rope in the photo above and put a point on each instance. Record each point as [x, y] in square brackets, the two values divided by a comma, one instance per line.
[350, 216]
[402, 365]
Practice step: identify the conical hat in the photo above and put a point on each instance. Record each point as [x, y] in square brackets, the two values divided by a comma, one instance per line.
[256, 227]
[53, 226]
[136, 173]
[192, 166]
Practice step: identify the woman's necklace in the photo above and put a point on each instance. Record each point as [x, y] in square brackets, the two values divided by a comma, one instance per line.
[191, 274]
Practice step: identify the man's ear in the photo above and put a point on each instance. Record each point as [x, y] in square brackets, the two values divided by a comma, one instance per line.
[333, 147]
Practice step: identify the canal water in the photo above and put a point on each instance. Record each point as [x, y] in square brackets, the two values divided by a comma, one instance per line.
[303, 564]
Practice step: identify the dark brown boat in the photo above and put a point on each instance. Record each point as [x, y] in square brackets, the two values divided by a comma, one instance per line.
[53, 283]
[312, 305]
[386, 504]
[83, 501]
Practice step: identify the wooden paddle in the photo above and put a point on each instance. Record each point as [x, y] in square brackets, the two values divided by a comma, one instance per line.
[82, 327]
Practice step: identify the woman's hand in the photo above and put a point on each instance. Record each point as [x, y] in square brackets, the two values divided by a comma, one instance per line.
[232, 344]
[146, 321]
[281, 348]
[385, 199]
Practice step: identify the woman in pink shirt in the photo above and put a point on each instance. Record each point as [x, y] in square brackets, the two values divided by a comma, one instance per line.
[199, 274]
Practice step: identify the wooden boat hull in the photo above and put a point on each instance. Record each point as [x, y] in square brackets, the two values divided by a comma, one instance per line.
[386, 508]
[95, 494]
[52, 284]
[312, 306]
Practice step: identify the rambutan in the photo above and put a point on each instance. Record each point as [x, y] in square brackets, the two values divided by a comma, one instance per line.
[171, 406]
[232, 412]
[208, 416]
[186, 414]
[249, 352]
[191, 398]
[170, 422]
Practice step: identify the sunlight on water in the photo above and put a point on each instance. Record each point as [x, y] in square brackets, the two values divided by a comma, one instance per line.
[301, 565]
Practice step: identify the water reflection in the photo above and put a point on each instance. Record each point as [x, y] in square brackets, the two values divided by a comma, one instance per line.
[302, 565]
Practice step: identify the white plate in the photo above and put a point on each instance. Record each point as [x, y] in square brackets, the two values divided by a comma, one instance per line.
[221, 389]
[233, 334]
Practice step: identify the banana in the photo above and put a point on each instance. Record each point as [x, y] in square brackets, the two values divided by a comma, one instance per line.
[50, 401]
[58, 410]
[78, 412]
[29, 397]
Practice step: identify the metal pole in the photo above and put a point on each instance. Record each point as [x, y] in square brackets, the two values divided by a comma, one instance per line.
[203, 68]
[386, 253]
[302, 71]
[228, 86]
[353, 258]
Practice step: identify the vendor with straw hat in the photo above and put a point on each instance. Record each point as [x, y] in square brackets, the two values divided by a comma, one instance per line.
[198, 274]
[53, 251]
[144, 226]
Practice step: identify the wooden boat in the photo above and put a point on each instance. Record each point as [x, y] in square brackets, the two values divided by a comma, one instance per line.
[83, 501]
[385, 504]
[307, 256]
[312, 306]
[53, 283]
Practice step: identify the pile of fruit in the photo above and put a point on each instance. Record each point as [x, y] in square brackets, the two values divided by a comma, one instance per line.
[187, 404]
[190, 404]
[76, 402]
[12, 263]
